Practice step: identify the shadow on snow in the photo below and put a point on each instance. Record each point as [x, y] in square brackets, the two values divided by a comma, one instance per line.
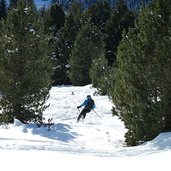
[61, 132]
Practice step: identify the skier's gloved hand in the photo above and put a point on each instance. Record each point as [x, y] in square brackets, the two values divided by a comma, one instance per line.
[78, 107]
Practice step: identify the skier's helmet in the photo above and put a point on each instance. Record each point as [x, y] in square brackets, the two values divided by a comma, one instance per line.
[88, 97]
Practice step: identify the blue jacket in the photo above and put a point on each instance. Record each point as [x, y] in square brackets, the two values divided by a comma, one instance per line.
[85, 103]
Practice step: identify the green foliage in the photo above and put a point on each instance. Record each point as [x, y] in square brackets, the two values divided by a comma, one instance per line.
[88, 46]
[98, 14]
[165, 59]
[64, 45]
[25, 66]
[13, 3]
[141, 89]
[75, 9]
[121, 19]
[54, 18]
[99, 74]
[54, 23]
[3, 9]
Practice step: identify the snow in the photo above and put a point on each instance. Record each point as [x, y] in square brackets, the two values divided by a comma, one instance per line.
[92, 144]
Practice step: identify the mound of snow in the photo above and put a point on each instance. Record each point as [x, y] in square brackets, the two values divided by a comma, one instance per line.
[18, 122]
[161, 142]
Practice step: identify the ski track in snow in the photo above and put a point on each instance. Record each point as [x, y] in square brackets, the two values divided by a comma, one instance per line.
[93, 136]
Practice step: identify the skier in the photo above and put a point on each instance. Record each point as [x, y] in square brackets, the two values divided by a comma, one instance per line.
[89, 105]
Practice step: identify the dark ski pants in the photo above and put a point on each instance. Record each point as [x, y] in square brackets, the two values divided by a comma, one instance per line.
[83, 114]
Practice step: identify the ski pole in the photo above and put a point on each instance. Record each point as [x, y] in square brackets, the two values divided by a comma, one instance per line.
[97, 114]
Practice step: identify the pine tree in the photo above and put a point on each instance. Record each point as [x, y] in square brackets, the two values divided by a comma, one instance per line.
[64, 45]
[13, 3]
[3, 9]
[99, 74]
[141, 89]
[156, 33]
[98, 14]
[121, 19]
[56, 18]
[25, 66]
[88, 46]
[53, 17]
[75, 9]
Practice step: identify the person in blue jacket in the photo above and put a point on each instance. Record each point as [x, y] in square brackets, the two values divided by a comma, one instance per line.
[88, 106]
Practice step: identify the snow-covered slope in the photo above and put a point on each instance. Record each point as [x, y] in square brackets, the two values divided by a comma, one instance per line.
[97, 141]
[92, 135]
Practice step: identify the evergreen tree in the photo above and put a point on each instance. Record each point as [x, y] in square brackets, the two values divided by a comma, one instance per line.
[53, 17]
[75, 9]
[98, 14]
[88, 46]
[25, 67]
[65, 42]
[141, 89]
[44, 15]
[99, 74]
[56, 18]
[156, 23]
[3, 9]
[13, 3]
[121, 19]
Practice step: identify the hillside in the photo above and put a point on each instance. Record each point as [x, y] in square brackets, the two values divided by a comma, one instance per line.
[94, 143]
